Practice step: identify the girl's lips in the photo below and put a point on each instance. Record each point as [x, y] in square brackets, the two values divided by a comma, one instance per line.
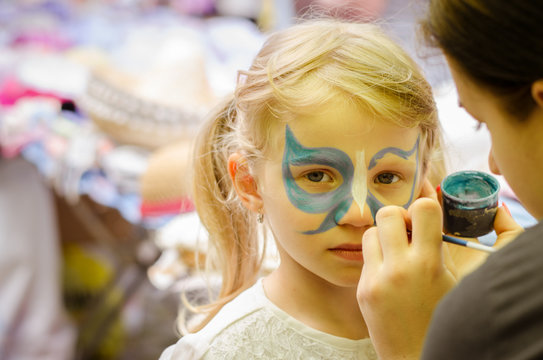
[351, 252]
[352, 247]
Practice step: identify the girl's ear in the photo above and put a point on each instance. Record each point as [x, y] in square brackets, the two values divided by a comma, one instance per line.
[244, 183]
[537, 92]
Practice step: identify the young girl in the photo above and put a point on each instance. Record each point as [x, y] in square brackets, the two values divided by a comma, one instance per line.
[331, 122]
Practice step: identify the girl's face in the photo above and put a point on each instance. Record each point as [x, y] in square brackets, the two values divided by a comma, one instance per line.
[516, 144]
[322, 187]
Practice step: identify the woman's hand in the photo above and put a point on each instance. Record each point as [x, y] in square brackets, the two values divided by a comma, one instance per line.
[468, 260]
[505, 227]
[403, 277]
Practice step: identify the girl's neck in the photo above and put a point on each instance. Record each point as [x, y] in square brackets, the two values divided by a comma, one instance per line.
[317, 303]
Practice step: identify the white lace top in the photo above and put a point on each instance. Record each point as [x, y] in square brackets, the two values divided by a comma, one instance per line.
[252, 327]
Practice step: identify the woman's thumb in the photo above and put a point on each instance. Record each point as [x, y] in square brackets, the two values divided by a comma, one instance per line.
[505, 226]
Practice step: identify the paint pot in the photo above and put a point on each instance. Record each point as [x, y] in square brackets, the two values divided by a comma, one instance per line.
[470, 202]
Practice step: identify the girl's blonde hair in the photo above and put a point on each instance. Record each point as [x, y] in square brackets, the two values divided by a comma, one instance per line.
[297, 69]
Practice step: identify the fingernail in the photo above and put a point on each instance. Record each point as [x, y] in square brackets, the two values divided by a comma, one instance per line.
[438, 188]
[506, 208]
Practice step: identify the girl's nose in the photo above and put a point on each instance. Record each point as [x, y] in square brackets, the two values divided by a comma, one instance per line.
[355, 217]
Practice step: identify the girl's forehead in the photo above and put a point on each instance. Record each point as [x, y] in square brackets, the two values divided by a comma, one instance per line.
[351, 132]
[342, 124]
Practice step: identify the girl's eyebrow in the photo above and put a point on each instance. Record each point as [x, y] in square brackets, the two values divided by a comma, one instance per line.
[305, 158]
[404, 154]
[326, 157]
[301, 155]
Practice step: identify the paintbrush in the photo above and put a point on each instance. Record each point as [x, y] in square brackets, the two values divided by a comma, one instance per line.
[469, 244]
[462, 242]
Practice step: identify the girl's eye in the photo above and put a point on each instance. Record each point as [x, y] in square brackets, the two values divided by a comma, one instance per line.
[318, 176]
[387, 178]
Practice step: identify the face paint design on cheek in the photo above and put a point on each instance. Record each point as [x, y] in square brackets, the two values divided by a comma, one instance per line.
[373, 203]
[336, 202]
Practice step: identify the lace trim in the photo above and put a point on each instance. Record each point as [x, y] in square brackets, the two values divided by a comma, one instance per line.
[262, 335]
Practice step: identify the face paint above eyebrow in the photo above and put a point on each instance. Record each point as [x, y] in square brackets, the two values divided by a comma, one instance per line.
[372, 201]
[336, 202]
[404, 154]
[299, 155]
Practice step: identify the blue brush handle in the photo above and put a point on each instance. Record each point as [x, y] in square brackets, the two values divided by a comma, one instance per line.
[469, 244]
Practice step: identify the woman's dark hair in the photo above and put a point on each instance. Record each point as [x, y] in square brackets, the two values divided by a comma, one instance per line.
[498, 43]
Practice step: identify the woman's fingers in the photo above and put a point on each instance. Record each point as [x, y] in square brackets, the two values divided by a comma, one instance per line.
[428, 191]
[427, 219]
[449, 262]
[391, 231]
[402, 280]
[505, 226]
[371, 250]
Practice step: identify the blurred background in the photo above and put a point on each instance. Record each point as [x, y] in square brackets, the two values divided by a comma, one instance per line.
[99, 104]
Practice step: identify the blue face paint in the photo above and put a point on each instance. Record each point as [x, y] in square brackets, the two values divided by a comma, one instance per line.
[337, 202]
[372, 201]
[373, 204]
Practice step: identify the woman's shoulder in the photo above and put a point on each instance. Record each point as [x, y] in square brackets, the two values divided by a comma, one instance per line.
[507, 286]
[520, 256]
[504, 280]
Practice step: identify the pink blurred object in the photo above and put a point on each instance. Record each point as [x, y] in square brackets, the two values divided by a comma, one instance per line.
[11, 90]
[170, 207]
[194, 7]
[12, 148]
[363, 10]
[41, 39]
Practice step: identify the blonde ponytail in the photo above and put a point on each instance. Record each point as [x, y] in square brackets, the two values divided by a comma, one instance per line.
[234, 250]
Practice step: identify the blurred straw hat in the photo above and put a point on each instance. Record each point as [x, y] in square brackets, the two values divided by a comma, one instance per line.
[155, 103]
[165, 185]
